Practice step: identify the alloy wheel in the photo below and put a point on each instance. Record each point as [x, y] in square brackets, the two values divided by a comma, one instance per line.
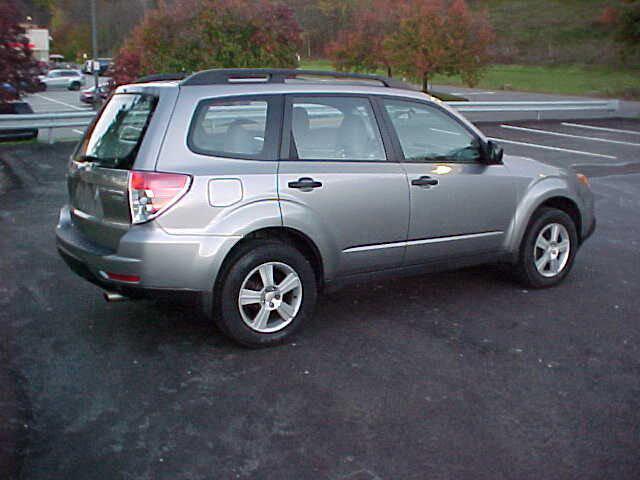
[551, 250]
[270, 297]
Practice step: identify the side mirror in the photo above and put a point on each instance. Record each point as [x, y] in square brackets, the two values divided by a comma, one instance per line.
[494, 153]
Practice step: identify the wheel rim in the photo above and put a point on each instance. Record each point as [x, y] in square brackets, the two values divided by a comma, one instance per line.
[270, 297]
[551, 250]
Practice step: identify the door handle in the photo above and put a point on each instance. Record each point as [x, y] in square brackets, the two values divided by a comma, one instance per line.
[305, 183]
[424, 181]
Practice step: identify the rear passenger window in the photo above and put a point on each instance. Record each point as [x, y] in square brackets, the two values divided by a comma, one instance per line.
[231, 128]
[335, 128]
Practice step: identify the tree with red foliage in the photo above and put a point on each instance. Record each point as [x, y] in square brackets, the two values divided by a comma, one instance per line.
[438, 36]
[361, 46]
[608, 16]
[191, 35]
[416, 37]
[624, 22]
[18, 68]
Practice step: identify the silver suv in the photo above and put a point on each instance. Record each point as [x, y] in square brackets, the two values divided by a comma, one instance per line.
[255, 189]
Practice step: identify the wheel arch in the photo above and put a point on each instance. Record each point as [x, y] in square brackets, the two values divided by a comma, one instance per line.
[298, 239]
[549, 195]
[566, 205]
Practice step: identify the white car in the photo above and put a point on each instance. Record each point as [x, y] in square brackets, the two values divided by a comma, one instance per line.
[71, 79]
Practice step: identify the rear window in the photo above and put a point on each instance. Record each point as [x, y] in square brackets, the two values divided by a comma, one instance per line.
[238, 128]
[114, 139]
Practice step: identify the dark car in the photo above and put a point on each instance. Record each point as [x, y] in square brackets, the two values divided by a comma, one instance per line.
[17, 108]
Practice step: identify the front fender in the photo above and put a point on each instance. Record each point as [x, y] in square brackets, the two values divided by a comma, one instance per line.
[534, 196]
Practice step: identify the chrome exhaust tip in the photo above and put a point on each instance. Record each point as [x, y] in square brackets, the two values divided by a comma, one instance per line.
[113, 297]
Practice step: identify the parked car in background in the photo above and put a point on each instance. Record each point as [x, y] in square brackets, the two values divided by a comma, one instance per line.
[105, 64]
[9, 91]
[63, 78]
[254, 189]
[88, 95]
[17, 108]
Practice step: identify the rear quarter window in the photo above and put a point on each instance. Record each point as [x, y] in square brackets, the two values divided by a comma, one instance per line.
[238, 127]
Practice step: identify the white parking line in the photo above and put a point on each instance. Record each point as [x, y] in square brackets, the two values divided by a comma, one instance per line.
[602, 129]
[568, 135]
[546, 147]
[81, 132]
[58, 101]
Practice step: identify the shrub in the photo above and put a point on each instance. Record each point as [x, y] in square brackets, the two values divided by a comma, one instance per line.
[193, 35]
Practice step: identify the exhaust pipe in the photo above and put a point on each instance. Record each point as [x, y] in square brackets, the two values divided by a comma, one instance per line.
[114, 297]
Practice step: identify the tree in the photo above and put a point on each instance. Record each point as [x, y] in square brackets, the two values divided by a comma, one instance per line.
[194, 35]
[18, 68]
[321, 20]
[628, 27]
[360, 46]
[438, 36]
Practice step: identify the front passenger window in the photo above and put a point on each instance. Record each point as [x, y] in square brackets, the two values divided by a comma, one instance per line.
[428, 135]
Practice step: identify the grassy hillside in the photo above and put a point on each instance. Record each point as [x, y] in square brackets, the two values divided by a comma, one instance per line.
[593, 81]
[552, 32]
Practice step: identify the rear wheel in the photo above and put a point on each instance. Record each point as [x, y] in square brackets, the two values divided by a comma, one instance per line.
[548, 249]
[266, 294]
[74, 86]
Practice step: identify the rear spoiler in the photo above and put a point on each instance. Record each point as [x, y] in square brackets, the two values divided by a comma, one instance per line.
[161, 77]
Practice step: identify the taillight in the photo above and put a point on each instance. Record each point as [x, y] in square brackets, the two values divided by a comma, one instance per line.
[151, 193]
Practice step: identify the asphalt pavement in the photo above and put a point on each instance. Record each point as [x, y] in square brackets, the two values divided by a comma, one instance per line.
[460, 375]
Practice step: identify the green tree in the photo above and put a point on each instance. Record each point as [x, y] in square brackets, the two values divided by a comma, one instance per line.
[628, 27]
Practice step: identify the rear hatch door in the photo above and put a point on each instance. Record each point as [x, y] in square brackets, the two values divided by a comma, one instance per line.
[99, 171]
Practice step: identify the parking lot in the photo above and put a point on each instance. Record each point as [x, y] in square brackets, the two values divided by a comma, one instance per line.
[60, 99]
[461, 375]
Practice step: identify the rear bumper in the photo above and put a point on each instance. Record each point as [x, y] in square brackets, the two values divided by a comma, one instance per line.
[163, 262]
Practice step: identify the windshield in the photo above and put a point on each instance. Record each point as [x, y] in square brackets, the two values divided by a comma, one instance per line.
[115, 137]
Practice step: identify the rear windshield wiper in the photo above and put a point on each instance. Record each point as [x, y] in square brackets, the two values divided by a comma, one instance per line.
[87, 158]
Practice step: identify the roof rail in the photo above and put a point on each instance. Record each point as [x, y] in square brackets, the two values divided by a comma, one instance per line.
[160, 77]
[218, 76]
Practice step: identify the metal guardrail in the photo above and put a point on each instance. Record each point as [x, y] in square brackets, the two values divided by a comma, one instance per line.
[49, 121]
[537, 107]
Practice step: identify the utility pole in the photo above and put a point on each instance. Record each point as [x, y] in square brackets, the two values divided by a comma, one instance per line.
[94, 61]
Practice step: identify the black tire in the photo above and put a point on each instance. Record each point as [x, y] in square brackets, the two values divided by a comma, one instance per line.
[525, 269]
[74, 86]
[226, 309]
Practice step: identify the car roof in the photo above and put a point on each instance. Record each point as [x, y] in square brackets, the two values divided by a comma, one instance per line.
[294, 87]
[264, 80]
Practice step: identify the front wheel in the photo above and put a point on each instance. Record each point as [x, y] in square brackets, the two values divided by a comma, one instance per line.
[266, 294]
[74, 86]
[548, 249]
